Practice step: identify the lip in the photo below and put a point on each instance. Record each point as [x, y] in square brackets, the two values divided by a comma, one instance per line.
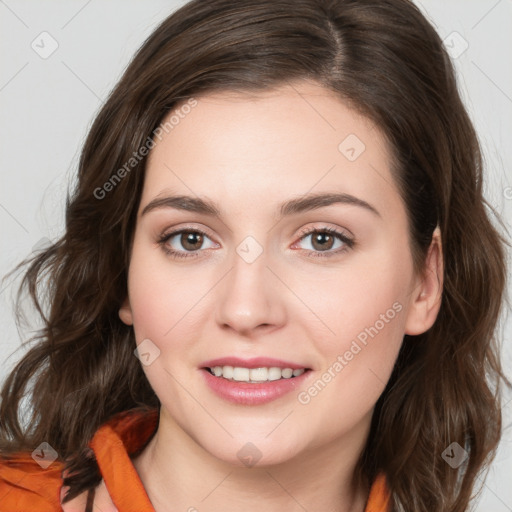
[245, 393]
[253, 362]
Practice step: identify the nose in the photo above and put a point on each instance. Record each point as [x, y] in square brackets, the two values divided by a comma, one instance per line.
[250, 298]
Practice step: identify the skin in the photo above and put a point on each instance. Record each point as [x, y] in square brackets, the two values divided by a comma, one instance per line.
[249, 153]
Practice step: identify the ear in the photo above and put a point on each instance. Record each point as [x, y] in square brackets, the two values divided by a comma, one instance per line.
[427, 294]
[125, 312]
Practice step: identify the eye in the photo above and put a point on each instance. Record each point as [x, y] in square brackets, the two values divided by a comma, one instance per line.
[324, 239]
[190, 240]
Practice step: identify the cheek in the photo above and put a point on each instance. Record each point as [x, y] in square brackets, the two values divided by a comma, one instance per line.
[366, 335]
[361, 300]
[356, 363]
[365, 310]
[163, 297]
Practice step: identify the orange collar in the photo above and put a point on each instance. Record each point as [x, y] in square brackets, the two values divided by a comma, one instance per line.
[112, 443]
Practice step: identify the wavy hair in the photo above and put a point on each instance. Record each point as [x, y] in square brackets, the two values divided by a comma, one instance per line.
[381, 57]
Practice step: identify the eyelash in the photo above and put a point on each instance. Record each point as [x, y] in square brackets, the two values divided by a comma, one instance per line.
[349, 243]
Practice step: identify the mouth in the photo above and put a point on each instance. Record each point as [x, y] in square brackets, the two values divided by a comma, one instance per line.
[255, 375]
[253, 381]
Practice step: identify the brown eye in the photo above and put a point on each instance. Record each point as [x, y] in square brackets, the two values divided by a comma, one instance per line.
[326, 242]
[322, 241]
[185, 243]
[191, 240]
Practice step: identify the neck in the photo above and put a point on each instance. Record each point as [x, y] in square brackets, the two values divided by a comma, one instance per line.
[178, 474]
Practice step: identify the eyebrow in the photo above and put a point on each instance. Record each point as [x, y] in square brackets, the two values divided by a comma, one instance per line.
[292, 207]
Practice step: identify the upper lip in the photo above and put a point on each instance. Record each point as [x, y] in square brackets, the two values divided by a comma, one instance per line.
[253, 362]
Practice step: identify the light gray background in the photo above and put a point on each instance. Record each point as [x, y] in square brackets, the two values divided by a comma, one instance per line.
[47, 105]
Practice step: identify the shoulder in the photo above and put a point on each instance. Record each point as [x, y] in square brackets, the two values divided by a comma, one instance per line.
[34, 482]
[27, 484]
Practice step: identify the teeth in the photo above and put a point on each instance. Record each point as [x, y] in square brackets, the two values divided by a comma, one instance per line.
[255, 374]
[258, 374]
[286, 373]
[240, 373]
[227, 372]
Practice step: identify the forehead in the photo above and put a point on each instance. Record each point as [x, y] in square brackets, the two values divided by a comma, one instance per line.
[254, 146]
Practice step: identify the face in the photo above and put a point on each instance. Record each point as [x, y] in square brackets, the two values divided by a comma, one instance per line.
[291, 252]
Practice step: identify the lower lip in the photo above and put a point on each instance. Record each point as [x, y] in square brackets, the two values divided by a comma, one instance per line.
[245, 393]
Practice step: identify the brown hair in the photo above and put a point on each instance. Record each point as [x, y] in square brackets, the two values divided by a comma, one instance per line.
[381, 57]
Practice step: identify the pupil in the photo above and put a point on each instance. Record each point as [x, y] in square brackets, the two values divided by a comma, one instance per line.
[322, 238]
[189, 240]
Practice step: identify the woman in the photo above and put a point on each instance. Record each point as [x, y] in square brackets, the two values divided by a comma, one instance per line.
[279, 213]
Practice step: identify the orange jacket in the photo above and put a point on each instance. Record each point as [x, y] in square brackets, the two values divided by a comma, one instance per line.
[25, 486]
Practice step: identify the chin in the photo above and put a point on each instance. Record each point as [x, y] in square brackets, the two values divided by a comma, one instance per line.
[254, 451]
